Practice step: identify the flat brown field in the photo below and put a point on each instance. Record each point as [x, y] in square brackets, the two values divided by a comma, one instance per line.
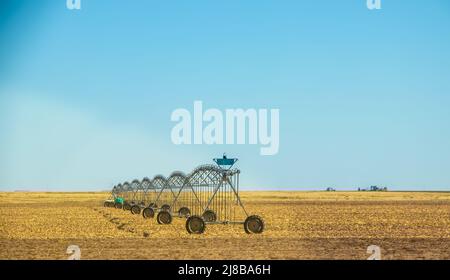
[299, 225]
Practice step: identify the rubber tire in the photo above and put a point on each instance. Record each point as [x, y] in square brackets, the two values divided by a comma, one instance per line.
[250, 227]
[118, 205]
[209, 216]
[195, 221]
[165, 207]
[135, 210]
[187, 212]
[164, 218]
[126, 207]
[148, 213]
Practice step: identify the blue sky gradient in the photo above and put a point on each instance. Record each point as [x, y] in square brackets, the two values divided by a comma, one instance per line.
[364, 95]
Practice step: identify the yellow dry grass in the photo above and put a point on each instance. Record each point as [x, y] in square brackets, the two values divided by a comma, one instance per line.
[299, 225]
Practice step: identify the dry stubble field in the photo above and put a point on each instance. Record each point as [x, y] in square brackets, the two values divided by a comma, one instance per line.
[299, 225]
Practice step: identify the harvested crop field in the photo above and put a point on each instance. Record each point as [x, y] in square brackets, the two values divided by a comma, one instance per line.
[299, 225]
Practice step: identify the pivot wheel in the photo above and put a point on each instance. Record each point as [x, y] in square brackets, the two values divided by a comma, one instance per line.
[148, 213]
[254, 224]
[164, 218]
[106, 204]
[209, 216]
[135, 210]
[127, 207]
[195, 224]
[118, 205]
[184, 212]
[165, 207]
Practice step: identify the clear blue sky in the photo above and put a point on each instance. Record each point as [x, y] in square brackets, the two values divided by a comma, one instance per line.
[364, 96]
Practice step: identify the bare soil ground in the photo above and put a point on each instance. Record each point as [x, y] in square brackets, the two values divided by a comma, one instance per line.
[299, 225]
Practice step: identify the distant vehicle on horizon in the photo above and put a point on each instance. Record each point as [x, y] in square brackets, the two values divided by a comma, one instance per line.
[374, 189]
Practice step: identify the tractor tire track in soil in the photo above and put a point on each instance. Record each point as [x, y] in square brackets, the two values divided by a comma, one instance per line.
[120, 224]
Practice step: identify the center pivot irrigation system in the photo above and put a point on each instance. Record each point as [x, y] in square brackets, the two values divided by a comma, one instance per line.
[207, 195]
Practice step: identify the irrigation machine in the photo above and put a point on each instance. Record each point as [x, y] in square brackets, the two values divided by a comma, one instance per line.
[208, 195]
